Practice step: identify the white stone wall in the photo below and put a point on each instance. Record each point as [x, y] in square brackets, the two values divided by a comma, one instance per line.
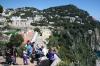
[21, 24]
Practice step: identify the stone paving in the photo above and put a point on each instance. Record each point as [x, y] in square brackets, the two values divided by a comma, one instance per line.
[18, 60]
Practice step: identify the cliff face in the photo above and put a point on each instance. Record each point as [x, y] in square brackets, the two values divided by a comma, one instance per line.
[76, 34]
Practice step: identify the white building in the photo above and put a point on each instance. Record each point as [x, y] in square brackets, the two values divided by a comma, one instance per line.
[2, 21]
[38, 17]
[20, 22]
[46, 33]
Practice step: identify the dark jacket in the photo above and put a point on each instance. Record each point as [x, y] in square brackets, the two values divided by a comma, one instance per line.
[50, 56]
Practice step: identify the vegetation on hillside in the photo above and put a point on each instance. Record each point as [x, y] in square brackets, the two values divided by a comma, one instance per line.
[71, 38]
[25, 12]
[16, 40]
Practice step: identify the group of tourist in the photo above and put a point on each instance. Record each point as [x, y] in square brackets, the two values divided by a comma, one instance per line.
[32, 54]
[36, 54]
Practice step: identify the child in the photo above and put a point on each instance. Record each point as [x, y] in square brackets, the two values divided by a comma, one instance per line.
[25, 58]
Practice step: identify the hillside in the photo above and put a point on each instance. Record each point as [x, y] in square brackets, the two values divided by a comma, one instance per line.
[71, 34]
[74, 32]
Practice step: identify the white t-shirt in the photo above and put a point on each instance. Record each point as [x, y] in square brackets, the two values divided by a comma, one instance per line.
[45, 51]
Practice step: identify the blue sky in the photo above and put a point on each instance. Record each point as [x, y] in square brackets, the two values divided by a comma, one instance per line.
[92, 6]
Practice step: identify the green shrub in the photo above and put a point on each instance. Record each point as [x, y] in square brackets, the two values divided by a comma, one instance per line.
[16, 40]
[20, 52]
[3, 43]
[63, 64]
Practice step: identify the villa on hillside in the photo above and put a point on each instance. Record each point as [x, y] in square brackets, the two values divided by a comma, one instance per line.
[19, 22]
